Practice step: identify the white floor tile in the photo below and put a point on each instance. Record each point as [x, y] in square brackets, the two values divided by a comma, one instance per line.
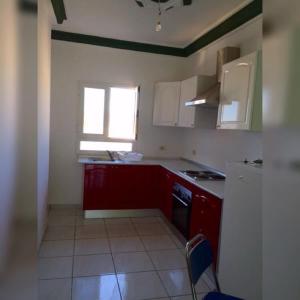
[168, 259]
[117, 221]
[146, 220]
[93, 265]
[63, 211]
[151, 229]
[189, 297]
[54, 233]
[96, 288]
[58, 267]
[80, 220]
[132, 262]
[90, 231]
[158, 242]
[57, 220]
[176, 282]
[55, 289]
[119, 230]
[126, 244]
[56, 248]
[92, 246]
[178, 242]
[138, 286]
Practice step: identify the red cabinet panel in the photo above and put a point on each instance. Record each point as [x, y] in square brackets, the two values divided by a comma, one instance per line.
[97, 186]
[142, 187]
[166, 203]
[121, 187]
[206, 218]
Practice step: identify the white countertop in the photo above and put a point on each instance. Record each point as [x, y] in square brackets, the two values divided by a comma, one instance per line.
[214, 187]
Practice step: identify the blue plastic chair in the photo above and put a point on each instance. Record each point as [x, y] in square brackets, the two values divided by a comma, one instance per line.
[199, 257]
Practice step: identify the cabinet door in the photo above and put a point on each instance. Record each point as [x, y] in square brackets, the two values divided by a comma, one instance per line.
[166, 203]
[166, 103]
[236, 97]
[188, 92]
[97, 187]
[206, 217]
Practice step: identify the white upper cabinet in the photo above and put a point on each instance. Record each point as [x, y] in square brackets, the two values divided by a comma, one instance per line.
[186, 116]
[237, 94]
[166, 103]
[170, 99]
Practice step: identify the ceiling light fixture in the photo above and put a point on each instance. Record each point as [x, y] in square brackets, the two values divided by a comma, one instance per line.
[158, 26]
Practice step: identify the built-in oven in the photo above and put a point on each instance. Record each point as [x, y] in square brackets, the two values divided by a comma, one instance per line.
[182, 205]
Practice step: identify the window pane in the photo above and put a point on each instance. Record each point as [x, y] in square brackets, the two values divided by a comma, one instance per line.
[93, 118]
[103, 146]
[122, 113]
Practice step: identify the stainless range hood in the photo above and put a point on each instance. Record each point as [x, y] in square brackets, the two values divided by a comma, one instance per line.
[210, 96]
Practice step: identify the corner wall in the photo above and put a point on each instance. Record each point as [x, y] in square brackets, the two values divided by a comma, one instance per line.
[43, 114]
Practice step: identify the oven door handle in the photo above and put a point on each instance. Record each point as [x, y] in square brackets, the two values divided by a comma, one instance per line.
[177, 198]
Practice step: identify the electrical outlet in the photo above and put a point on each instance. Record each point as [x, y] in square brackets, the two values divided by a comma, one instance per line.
[194, 152]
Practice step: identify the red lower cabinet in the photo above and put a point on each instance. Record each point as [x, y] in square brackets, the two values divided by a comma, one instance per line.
[121, 187]
[206, 218]
[167, 180]
[97, 187]
[142, 187]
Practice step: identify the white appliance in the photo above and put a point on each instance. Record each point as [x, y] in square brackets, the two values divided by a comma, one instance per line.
[240, 258]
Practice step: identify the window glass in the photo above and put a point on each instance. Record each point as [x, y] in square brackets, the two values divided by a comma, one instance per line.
[122, 113]
[103, 146]
[93, 111]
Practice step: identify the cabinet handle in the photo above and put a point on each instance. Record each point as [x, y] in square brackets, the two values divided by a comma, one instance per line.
[203, 198]
[175, 124]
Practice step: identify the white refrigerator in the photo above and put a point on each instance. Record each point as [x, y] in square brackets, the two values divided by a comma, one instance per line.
[240, 257]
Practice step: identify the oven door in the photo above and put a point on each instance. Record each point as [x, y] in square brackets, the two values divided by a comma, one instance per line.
[181, 215]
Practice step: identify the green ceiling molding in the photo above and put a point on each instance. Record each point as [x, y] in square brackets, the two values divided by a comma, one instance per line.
[112, 43]
[59, 10]
[244, 15]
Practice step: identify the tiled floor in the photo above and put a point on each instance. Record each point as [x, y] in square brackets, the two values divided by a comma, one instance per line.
[111, 259]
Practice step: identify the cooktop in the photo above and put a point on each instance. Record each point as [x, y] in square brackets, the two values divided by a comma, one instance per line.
[203, 175]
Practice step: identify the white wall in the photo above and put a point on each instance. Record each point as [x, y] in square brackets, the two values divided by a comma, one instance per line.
[43, 114]
[73, 63]
[8, 123]
[215, 147]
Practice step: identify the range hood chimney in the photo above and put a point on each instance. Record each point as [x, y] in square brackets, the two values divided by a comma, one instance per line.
[210, 97]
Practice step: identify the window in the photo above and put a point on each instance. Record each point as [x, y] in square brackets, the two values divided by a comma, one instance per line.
[109, 118]
[93, 111]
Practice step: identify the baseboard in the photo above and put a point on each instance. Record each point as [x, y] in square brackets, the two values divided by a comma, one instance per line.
[124, 213]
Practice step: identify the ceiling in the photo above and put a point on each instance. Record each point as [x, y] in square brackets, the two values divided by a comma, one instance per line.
[125, 20]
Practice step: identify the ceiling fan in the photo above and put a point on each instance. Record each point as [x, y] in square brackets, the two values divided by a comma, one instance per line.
[162, 5]
[165, 4]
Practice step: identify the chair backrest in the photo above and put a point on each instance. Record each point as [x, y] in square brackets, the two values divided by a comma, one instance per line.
[199, 257]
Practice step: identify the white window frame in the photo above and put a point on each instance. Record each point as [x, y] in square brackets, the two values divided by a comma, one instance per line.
[81, 136]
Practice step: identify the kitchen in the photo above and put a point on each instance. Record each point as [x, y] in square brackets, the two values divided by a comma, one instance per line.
[183, 148]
